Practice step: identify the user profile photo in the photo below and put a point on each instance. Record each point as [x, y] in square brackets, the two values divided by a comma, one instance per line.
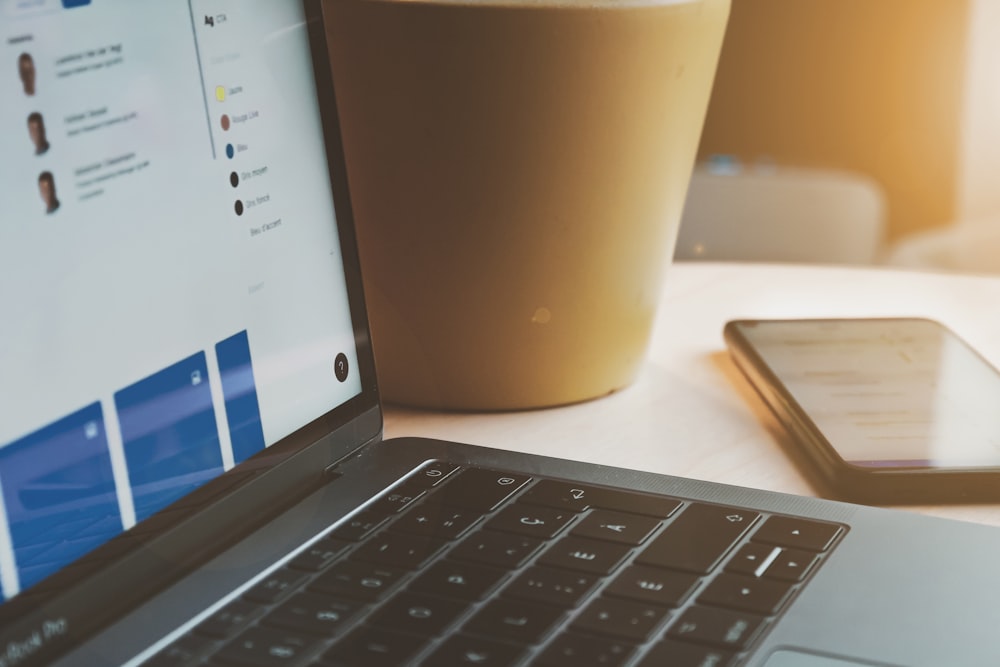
[36, 131]
[26, 70]
[47, 190]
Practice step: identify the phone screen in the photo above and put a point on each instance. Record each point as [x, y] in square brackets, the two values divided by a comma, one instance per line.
[887, 392]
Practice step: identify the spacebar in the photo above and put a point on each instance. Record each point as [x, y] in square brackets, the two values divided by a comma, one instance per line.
[698, 539]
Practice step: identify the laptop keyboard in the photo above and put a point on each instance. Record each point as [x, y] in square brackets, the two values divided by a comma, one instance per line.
[485, 567]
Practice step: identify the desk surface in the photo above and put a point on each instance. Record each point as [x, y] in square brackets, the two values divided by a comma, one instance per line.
[690, 412]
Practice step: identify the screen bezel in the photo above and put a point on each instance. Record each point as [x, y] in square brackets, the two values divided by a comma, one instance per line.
[104, 584]
[880, 482]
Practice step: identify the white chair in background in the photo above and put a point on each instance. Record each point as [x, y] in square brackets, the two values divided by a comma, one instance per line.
[970, 246]
[781, 214]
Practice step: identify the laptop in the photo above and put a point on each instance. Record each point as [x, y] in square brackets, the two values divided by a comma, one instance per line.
[191, 463]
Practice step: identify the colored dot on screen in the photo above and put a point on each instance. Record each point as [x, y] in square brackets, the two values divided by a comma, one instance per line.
[234, 179]
[220, 93]
[230, 151]
[225, 122]
[238, 207]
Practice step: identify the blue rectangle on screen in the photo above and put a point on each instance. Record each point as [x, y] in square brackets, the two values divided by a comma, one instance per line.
[59, 493]
[169, 433]
[240, 391]
[69, 4]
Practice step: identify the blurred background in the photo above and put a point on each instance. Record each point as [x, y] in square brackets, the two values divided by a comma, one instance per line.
[853, 131]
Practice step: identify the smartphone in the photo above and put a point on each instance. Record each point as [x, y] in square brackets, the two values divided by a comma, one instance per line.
[887, 410]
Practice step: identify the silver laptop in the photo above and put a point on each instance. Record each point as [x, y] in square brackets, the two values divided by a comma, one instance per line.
[191, 467]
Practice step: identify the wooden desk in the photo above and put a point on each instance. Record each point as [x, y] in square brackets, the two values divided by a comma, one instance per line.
[690, 412]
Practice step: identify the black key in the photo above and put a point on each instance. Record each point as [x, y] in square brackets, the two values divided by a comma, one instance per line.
[635, 503]
[229, 620]
[616, 527]
[463, 581]
[374, 646]
[396, 499]
[436, 520]
[497, 549]
[360, 526]
[266, 647]
[398, 550]
[318, 556]
[468, 650]
[560, 588]
[559, 495]
[508, 620]
[432, 474]
[480, 489]
[318, 615]
[753, 559]
[791, 565]
[622, 619]
[275, 586]
[677, 654]
[185, 651]
[575, 651]
[530, 520]
[360, 581]
[729, 629]
[653, 585]
[591, 556]
[697, 539]
[736, 591]
[417, 614]
[797, 533]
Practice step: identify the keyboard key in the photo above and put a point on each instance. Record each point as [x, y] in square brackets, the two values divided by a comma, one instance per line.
[360, 581]
[360, 526]
[616, 527]
[418, 614]
[468, 650]
[560, 588]
[746, 593]
[512, 621]
[397, 499]
[791, 565]
[463, 581]
[591, 556]
[266, 647]
[436, 520]
[677, 654]
[559, 495]
[185, 651]
[653, 585]
[480, 489]
[728, 629]
[319, 555]
[374, 646]
[229, 620]
[318, 615]
[753, 559]
[697, 539]
[580, 497]
[398, 550]
[797, 533]
[433, 474]
[497, 549]
[275, 586]
[530, 520]
[575, 651]
[622, 619]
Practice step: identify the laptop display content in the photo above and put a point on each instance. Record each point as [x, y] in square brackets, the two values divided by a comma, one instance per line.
[165, 239]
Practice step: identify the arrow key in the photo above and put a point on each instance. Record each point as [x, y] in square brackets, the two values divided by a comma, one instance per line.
[798, 533]
[466, 650]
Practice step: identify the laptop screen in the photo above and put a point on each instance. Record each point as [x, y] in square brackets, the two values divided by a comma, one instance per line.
[173, 297]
